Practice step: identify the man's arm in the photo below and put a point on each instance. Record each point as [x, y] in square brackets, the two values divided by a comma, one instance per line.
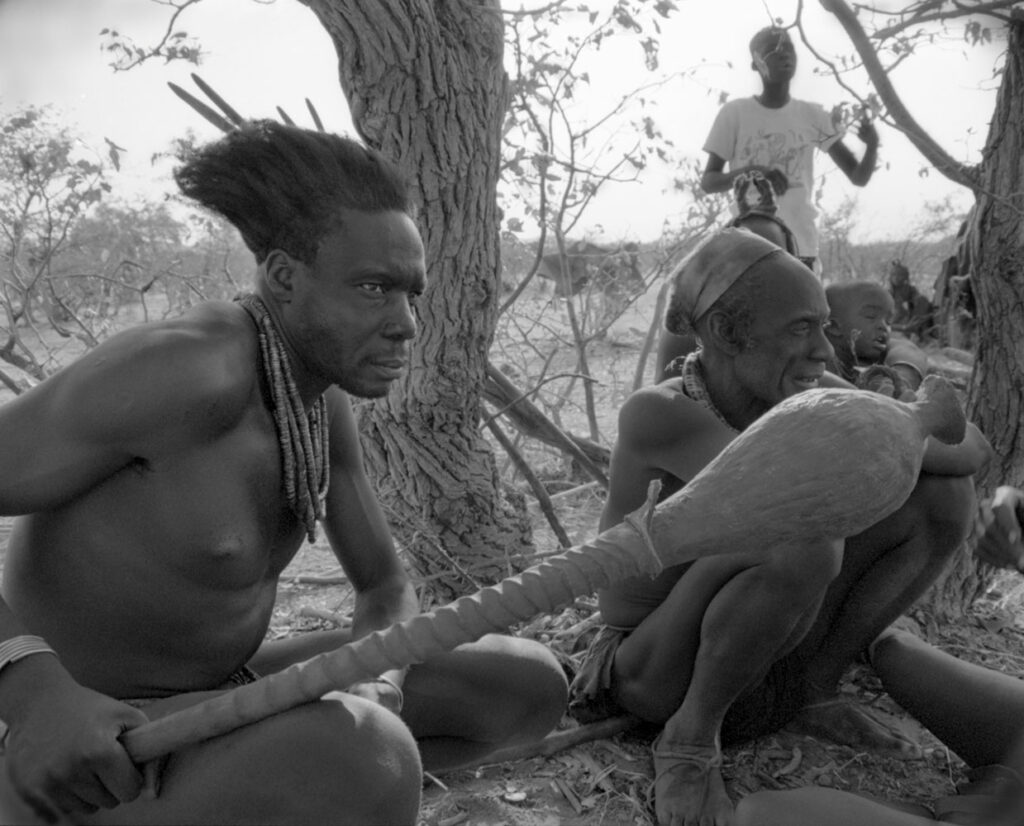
[716, 179]
[359, 533]
[998, 531]
[909, 360]
[143, 393]
[132, 399]
[660, 431]
[969, 457]
[859, 172]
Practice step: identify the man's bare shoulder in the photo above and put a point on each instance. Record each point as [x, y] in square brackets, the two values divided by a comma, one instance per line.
[202, 364]
[661, 413]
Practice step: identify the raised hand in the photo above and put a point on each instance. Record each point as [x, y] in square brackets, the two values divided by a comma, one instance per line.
[998, 529]
[867, 132]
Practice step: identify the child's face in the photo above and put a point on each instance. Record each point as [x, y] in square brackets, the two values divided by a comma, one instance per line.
[863, 320]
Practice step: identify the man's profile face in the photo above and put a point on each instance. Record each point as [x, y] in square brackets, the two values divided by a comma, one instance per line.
[353, 311]
[786, 348]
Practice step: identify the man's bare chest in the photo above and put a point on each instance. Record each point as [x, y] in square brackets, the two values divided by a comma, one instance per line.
[215, 514]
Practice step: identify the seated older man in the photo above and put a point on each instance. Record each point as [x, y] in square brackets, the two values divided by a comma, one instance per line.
[732, 646]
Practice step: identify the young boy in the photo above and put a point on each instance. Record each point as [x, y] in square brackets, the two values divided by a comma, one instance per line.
[776, 134]
[860, 333]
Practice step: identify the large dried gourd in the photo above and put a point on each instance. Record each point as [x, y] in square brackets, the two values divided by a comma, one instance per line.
[824, 464]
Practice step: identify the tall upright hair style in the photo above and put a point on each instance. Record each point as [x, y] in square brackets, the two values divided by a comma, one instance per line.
[283, 187]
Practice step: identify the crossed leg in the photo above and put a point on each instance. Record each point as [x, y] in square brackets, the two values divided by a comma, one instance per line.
[885, 570]
[977, 712]
[462, 705]
[342, 761]
[722, 625]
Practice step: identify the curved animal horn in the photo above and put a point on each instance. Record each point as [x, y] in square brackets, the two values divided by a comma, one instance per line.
[800, 482]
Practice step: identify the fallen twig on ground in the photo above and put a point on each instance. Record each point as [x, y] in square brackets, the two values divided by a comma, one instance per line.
[561, 740]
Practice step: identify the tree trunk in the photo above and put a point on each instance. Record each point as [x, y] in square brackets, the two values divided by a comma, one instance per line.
[996, 250]
[426, 86]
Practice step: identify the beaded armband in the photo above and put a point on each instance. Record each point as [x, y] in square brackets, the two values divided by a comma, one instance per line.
[17, 648]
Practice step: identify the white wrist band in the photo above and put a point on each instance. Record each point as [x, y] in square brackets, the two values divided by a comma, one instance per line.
[22, 646]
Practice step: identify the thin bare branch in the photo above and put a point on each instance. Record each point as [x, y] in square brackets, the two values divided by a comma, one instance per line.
[538, 12]
[539, 491]
[169, 34]
[957, 172]
[935, 13]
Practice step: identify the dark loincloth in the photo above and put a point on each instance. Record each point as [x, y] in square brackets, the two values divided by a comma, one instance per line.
[244, 676]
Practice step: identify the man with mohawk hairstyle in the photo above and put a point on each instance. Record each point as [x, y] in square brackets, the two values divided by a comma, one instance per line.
[165, 480]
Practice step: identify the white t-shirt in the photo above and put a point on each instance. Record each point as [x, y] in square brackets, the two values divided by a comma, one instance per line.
[745, 132]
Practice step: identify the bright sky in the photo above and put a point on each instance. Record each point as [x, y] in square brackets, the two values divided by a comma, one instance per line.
[260, 55]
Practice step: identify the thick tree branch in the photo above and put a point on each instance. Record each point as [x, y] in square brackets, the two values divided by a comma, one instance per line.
[959, 173]
[501, 393]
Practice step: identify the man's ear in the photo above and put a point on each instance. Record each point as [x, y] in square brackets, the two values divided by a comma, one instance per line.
[280, 271]
[834, 329]
[722, 333]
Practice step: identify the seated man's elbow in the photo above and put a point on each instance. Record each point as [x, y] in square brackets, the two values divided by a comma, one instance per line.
[976, 452]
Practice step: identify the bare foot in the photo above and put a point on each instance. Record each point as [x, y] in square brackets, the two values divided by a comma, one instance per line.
[688, 787]
[848, 723]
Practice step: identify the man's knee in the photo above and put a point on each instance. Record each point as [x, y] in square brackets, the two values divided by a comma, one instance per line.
[494, 690]
[801, 574]
[350, 759]
[937, 517]
[537, 689]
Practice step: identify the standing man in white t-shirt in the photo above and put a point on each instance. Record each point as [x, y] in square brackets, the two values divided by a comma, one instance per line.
[776, 134]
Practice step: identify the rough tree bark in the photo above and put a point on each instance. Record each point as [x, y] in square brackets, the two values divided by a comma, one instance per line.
[425, 83]
[996, 241]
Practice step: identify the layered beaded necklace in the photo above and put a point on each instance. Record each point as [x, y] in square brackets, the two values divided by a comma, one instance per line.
[696, 388]
[302, 436]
